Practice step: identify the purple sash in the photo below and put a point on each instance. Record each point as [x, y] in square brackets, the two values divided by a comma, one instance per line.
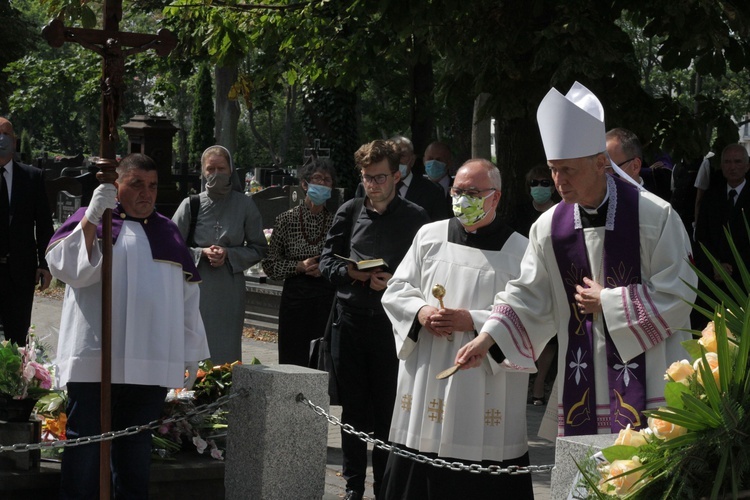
[163, 236]
[621, 267]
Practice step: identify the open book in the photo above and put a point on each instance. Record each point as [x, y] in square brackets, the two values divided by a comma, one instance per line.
[364, 264]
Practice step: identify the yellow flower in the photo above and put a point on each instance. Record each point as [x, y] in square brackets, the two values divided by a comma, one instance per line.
[665, 430]
[680, 371]
[624, 484]
[713, 363]
[629, 437]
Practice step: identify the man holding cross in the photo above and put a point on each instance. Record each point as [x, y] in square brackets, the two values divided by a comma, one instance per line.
[156, 325]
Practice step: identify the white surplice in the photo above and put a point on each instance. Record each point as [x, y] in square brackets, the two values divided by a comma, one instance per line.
[649, 317]
[156, 324]
[477, 414]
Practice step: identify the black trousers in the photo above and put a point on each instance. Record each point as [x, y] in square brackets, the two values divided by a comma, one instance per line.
[406, 479]
[15, 305]
[130, 455]
[364, 355]
[303, 315]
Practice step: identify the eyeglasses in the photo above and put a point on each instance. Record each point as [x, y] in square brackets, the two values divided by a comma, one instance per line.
[540, 182]
[375, 179]
[624, 162]
[320, 179]
[471, 193]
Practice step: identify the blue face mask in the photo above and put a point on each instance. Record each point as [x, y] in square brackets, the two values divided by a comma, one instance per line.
[435, 169]
[6, 144]
[541, 194]
[318, 194]
[404, 169]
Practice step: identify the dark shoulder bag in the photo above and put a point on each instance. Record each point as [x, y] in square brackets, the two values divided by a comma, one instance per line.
[195, 206]
[320, 348]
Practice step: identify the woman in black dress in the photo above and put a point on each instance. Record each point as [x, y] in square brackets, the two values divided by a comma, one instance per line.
[294, 250]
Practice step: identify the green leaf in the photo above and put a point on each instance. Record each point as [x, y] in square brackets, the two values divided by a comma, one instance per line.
[693, 348]
[673, 392]
[619, 452]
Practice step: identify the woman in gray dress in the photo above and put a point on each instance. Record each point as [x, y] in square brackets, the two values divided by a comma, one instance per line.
[228, 238]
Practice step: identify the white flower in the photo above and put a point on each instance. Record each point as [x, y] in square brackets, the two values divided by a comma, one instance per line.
[200, 444]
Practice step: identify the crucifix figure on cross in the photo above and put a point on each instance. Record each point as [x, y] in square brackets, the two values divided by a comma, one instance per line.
[109, 43]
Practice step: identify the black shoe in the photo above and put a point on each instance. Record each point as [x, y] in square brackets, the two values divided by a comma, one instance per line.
[353, 495]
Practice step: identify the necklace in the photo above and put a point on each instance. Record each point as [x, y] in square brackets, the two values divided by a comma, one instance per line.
[304, 231]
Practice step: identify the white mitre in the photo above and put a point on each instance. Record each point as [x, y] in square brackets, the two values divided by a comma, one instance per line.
[571, 125]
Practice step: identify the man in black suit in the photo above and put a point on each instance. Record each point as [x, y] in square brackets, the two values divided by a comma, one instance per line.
[25, 230]
[723, 206]
[416, 188]
[624, 149]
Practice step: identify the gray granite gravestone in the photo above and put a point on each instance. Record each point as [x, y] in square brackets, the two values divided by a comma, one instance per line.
[276, 446]
[67, 204]
[568, 451]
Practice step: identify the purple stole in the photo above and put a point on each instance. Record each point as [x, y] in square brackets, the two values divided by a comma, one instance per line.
[163, 236]
[621, 267]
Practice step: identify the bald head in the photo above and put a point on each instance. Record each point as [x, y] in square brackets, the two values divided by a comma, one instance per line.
[7, 141]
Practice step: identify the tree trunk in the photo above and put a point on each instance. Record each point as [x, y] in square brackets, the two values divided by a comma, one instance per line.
[481, 129]
[227, 112]
[423, 102]
[518, 148]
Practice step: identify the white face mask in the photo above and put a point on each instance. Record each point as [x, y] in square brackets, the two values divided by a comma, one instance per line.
[404, 169]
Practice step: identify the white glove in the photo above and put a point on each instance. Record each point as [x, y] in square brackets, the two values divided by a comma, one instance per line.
[192, 368]
[104, 197]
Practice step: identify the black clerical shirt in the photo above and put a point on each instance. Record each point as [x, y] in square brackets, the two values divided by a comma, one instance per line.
[360, 233]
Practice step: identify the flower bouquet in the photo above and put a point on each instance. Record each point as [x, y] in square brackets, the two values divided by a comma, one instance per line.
[23, 378]
[698, 446]
[205, 432]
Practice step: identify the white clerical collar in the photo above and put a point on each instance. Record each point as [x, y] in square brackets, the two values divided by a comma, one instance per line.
[594, 211]
[737, 189]
[609, 224]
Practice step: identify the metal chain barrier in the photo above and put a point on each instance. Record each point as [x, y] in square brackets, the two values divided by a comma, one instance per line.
[135, 429]
[435, 462]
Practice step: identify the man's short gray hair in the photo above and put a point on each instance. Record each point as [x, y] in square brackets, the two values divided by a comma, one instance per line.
[493, 173]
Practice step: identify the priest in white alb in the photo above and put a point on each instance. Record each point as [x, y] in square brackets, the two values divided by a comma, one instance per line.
[156, 326]
[607, 269]
[477, 416]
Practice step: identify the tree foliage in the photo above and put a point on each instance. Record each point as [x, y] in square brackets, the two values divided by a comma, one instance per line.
[16, 39]
[673, 73]
[202, 131]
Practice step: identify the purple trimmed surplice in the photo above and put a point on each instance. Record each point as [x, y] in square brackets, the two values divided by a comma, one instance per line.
[163, 236]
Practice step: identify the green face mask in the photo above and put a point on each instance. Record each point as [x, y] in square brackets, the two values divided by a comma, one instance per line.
[469, 209]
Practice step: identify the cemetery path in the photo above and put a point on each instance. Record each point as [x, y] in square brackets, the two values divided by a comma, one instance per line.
[45, 317]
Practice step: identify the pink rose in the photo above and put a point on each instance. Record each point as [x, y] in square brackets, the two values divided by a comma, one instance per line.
[713, 363]
[624, 484]
[680, 371]
[708, 337]
[629, 437]
[665, 430]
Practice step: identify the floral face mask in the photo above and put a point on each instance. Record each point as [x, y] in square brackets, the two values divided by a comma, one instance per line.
[469, 209]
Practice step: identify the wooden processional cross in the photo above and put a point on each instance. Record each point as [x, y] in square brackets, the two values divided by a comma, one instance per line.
[113, 45]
